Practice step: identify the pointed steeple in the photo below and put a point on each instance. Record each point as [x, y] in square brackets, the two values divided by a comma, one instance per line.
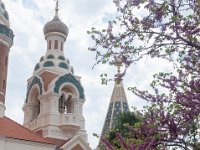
[118, 102]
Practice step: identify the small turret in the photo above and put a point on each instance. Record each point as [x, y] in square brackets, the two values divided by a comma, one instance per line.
[55, 96]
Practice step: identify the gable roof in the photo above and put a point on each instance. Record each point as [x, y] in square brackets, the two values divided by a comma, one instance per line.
[11, 129]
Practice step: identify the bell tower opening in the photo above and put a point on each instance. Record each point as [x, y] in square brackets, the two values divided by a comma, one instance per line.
[66, 102]
[34, 101]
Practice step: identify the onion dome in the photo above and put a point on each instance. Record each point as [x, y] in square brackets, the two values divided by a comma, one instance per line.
[3, 11]
[56, 25]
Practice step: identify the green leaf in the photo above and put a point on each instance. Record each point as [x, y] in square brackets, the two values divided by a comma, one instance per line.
[174, 18]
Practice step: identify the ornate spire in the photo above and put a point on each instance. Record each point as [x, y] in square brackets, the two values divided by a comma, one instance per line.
[57, 8]
[118, 102]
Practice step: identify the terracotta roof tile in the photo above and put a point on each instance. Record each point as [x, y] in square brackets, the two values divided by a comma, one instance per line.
[11, 129]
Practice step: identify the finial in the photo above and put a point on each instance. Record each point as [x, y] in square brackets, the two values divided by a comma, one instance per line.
[56, 9]
[118, 63]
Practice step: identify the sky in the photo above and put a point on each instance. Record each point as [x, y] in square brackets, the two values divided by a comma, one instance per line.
[27, 19]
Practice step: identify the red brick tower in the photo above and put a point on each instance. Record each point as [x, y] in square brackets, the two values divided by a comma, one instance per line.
[6, 41]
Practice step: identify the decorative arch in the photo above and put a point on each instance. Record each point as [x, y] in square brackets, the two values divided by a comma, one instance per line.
[33, 99]
[68, 78]
[35, 81]
[34, 91]
[69, 88]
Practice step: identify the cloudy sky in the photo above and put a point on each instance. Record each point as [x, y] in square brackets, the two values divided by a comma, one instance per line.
[27, 19]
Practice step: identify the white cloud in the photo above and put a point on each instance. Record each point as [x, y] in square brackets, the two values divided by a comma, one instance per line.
[29, 45]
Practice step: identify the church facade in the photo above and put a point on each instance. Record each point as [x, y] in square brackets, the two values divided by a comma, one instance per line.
[53, 108]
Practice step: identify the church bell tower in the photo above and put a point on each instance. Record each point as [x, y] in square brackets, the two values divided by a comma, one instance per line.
[6, 41]
[55, 96]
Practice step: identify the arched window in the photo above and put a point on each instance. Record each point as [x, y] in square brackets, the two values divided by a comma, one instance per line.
[56, 44]
[48, 64]
[61, 57]
[50, 57]
[63, 65]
